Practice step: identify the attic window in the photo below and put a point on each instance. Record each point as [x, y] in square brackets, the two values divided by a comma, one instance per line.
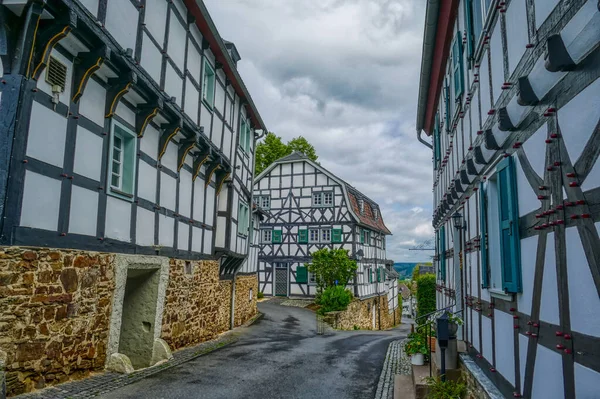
[376, 213]
[56, 73]
[361, 205]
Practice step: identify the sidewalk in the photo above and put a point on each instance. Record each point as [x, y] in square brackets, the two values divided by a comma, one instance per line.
[108, 381]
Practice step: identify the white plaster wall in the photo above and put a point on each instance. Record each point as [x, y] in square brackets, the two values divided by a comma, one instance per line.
[535, 149]
[192, 98]
[547, 363]
[199, 200]
[220, 235]
[210, 205]
[41, 201]
[151, 59]
[528, 257]
[185, 193]
[197, 239]
[91, 5]
[549, 303]
[207, 247]
[217, 131]
[122, 22]
[92, 103]
[118, 219]
[183, 236]
[47, 135]
[144, 233]
[149, 143]
[169, 158]
[173, 84]
[156, 19]
[124, 112]
[527, 198]
[517, 36]
[168, 190]
[205, 118]
[484, 87]
[220, 98]
[584, 303]
[505, 341]
[177, 39]
[486, 334]
[586, 382]
[593, 178]
[166, 228]
[194, 63]
[147, 182]
[523, 343]
[88, 154]
[180, 7]
[84, 211]
[497, 62]
[543, 8]
[576, 130]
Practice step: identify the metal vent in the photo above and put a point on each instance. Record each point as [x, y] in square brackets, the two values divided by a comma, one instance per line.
[56, 73]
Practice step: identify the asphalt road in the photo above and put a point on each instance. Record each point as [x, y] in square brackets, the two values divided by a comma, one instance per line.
[280, 356]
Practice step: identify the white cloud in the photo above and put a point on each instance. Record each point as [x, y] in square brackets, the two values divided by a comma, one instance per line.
[344, 74]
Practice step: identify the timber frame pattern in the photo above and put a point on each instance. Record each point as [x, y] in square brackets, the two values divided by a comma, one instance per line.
[67, 29]
[532, 118]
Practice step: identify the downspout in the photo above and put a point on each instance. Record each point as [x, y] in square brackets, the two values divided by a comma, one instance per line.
[419, 131]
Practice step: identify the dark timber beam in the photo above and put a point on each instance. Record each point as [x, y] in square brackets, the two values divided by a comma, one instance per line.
[221, 177]
[211, 168]
[201, 158]
[145, 115]
[89, 63]
[118, 88]
[170, 131]
[47, 39]
[25, 44]
[184, 148]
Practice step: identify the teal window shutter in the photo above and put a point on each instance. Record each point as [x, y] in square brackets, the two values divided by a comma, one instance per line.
[485, 274]
[436, 141]
[370, 275]
[477, 20]
[457, 66]
[362, 236]
[336, 235]
[443, 253]
[379, 273]
[276, 236]
[469, 27]
[447, 102]
[303, 236]
[301, 275]
[510, 250]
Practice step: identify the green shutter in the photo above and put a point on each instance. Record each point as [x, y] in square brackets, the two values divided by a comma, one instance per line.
[485, 274]
[370, 275]
[362, 235]
[336, 235]
[301, 275]
[379, 273]
[447, 102]
[443, 253]
[303, 236]
[436, 141]
[276, 238]
[457, 66]
[510, 250]
[469, 28]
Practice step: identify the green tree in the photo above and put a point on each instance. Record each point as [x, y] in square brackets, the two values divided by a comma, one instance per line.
[331, 265]
[272, 148]
[425, 295]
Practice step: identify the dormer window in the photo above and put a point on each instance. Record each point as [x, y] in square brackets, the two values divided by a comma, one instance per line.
[361, 205]
[376, 213]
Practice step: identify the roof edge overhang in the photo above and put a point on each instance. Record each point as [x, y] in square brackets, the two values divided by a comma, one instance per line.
[209, 31]
[439, 23]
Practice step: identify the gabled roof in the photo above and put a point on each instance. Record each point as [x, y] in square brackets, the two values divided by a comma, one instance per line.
[365, 219]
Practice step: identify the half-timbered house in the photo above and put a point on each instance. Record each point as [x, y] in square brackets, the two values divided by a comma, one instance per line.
[126, 168]
[309, 209]
[510, 95]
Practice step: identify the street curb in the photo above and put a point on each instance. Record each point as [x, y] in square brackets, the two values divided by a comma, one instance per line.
[253, 320]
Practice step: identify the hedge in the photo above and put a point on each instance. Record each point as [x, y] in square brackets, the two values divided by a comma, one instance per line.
[425, 294]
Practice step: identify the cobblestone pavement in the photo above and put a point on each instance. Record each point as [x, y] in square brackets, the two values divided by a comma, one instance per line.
[396, 362]
[299, 303]
[108, 381]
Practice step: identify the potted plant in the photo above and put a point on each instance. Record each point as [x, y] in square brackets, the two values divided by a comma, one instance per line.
[453, 322]
[416, 348]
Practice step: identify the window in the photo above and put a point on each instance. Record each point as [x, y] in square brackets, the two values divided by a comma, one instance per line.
[245, 135]
[317, 199]
[457, 67]
[370, 274]
[476, 12]
[361, 205]
[313, 235]
[328, 199]
[325, 235]
[312, 278]
[500, 243]
[208, 85]
[376, 214]
[266, 236]
[231, 113]
[361, 234]
[123, 149]
[243, 219]
[265, 202]
[366, 237]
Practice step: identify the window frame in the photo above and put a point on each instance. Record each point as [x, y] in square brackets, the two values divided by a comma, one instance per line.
[209, 100]
[323, 200]
[310, 239]
[318, 195]
[129, 142]
[263, 234]
[325, 232]
[243, 219]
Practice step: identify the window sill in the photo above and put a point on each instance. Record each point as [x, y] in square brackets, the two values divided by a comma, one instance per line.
[500, 295]
[120, 194]
[205, 102]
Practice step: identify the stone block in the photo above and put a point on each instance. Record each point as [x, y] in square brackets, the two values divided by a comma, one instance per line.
[69, 280]
[119, 363]
[160, 351]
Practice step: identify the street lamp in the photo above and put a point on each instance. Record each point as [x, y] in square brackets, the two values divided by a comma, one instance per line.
[457, 218]
[359, 255]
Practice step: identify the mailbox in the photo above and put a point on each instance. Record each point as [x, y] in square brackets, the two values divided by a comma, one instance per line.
[443, 330]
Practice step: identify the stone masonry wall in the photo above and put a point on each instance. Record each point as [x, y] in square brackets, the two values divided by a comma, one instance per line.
[54, 314]
[359, 315]
[245, 307]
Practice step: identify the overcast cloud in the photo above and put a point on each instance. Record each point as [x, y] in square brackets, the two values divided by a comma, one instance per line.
[344, 74]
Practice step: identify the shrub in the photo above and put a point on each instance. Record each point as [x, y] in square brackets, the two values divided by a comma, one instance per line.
[416, 344]
[425, 295]
[260, 295]
[334, 298]
[331, 267]
[439, 389]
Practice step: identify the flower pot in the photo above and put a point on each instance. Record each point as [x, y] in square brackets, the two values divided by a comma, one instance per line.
[432, 341]
[417, 359]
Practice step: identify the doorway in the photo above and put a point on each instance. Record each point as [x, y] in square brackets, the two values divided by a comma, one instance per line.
[139, 315]
[281, 279]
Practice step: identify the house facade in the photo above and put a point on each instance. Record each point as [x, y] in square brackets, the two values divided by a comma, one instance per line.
[510, 97]
[126, 170]
[309, 209]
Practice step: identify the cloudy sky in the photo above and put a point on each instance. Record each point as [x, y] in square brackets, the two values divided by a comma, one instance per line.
[344, 74]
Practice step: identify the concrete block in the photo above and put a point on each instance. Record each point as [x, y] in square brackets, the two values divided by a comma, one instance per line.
[160, 351]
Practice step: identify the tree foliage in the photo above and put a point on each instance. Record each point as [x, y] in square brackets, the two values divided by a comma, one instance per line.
[331, 265]
[425, 294]
[272, 148]
[334, 298]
